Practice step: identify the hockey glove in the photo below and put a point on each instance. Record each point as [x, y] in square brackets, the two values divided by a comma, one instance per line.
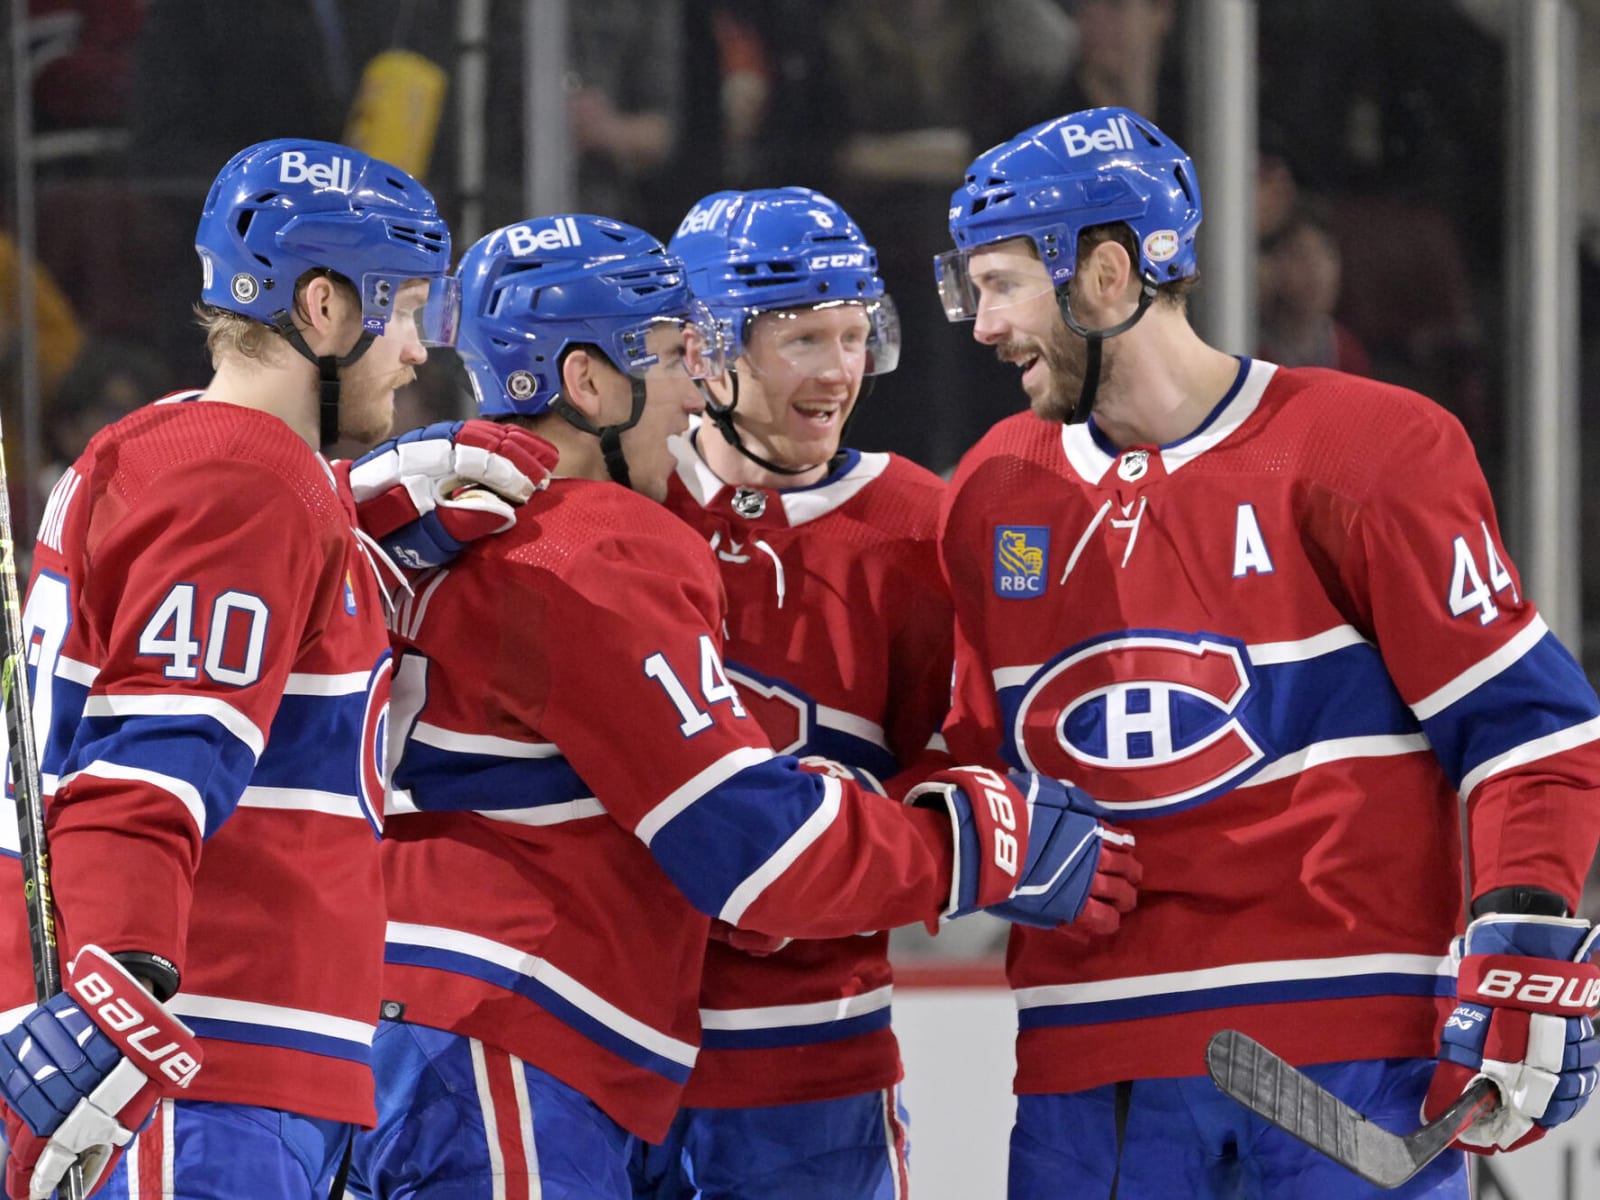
[83, 1072]
[1526, 992]
[1037, 857]
[425, 494]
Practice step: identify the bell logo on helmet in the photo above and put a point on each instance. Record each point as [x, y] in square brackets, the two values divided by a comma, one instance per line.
[560, 234]
[1114, 136]
[335, 174]
[701, 219]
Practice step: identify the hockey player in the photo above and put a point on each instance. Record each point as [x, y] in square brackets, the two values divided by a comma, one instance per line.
[210, 673]
[1266, 615]
[581, 789]
[838, 639]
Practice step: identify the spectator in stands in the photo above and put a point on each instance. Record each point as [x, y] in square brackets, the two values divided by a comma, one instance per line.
[1299, 265]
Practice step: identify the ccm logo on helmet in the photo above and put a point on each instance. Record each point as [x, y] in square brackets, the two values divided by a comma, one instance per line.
[293, 168]
[1577, 994]
[120, 1016]
[823, 262]
[700, 219]
[1002, 812]
[561, 233]
[1115, 136]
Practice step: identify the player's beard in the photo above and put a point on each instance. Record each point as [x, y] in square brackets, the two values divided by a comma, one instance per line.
[366, 407]
[1065, 357]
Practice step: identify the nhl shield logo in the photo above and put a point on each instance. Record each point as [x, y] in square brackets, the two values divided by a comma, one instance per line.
[1133, 465]
[749, 502]
[1021, 559]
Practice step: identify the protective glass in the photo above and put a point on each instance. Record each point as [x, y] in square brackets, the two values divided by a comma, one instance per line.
[811, 348]
[688, 342]
[1002, 280]
[431, 305]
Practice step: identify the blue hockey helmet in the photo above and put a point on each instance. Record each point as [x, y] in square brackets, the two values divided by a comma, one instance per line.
[533, 289]
[772, 249]
[281, 208]
[1050, 182]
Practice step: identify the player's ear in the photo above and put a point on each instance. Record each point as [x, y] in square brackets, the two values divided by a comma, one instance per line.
[321, 309]
[583, 382]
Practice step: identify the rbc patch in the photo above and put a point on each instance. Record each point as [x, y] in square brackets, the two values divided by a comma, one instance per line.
[1021, 560]
[349, 595]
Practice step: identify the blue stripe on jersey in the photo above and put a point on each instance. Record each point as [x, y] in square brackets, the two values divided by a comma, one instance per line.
[1270, 992]
[1543, 692]
[795, 1035]
[452, 781]
[66, 707]
[303, 730]
[192, 747]
[730, 832]
[277, 1035]
[562, 1009]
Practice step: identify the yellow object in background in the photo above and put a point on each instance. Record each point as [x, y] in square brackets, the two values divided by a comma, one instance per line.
[396, 110]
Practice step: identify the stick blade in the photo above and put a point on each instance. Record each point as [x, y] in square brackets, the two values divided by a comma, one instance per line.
[1277, 1092]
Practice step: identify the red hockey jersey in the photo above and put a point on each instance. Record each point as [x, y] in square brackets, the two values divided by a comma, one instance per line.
[580, 787]
[1280, 649]
[210, 682]
[838, 639]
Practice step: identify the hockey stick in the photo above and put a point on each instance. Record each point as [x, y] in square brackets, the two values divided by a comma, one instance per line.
[1272, 1089]
[18, 709]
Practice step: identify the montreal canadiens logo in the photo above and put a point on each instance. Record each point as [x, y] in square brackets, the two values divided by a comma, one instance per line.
[785, 716]
[373, 779]
[1141, 721]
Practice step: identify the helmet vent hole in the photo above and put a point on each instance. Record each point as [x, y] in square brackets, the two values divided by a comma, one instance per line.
[1183, 182]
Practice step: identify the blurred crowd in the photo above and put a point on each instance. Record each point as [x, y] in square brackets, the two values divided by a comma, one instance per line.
[1381, 197]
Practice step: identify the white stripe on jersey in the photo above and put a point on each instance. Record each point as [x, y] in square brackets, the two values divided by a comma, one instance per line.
[848, 722]
[491, 1119]
[547, 814]
[1320, 754]
[1481, 672]
[1318, 644]
[168, 704]
[1544, 747]
[569, 989]
[480, 743]
[780, 1016]
[351, 683]
[333, 804]
[798, 843]
[249, 1012]
[1236, 975]
[180, 789]
[682, 797]
[73, 671]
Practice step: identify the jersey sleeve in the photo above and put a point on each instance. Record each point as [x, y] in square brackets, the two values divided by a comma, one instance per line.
[640, 705]
[197, 598]
[1508, 711]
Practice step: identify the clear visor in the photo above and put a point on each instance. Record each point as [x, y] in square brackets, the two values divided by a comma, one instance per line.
[687, 343]
[431, 306]
[853, 335]
[998, 279]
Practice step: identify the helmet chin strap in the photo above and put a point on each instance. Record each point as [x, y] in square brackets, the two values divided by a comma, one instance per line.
[722, 417]
[328, 367]
[1095, 339]
[610, 435]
